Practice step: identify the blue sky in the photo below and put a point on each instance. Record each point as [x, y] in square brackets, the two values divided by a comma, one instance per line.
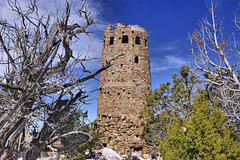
[166, 21]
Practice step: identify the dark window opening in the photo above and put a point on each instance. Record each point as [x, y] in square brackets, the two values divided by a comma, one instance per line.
[132, 31]
[108, 92]
[145, 42]
[112, 72]
[138, 148]
[103, 42]
[100, 89]
[111, 41]
[104, 116]
[124, 39]
[136, 59]
[121, 65]
[118, 93]
[148, 88]
[137, 40]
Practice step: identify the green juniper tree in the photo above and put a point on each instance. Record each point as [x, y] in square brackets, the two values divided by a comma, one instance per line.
[203, 136]
[181, 126]
[74, 146]
[169, 101]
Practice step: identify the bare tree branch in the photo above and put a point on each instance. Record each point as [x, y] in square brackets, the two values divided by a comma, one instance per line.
[44, 81]
[218, 60]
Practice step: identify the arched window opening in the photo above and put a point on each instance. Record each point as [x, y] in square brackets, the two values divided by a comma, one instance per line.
[136, 59]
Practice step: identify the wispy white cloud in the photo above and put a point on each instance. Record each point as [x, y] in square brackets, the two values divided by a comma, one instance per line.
[172, 55]
[91, 47]
[175, 61]
[166, 63]
[175, 46]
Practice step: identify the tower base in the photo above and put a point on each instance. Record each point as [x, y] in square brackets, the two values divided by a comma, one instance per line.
[121, 134]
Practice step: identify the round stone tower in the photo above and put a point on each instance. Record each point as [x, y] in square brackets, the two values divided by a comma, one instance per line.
[123, 87]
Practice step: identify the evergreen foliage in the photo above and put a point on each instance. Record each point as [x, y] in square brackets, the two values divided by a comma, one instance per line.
[167, 102]
[206, 135]
[186, 121]
[74, 146]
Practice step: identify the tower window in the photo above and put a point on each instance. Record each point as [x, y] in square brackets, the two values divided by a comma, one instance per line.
[145, 42]
[137, 40]
[136, 59]
[111, 41]
[124, 39]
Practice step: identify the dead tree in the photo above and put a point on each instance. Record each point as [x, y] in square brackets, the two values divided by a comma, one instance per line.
[44, 80]
[217, 57]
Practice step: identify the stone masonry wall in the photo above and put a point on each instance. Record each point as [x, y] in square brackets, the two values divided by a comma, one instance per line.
[121, 134]
[123, 86]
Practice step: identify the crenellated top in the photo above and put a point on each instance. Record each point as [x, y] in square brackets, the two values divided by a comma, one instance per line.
[125, 34]
[124, 26]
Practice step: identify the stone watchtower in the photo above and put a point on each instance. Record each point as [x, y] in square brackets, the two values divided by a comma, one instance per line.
[123, 87]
